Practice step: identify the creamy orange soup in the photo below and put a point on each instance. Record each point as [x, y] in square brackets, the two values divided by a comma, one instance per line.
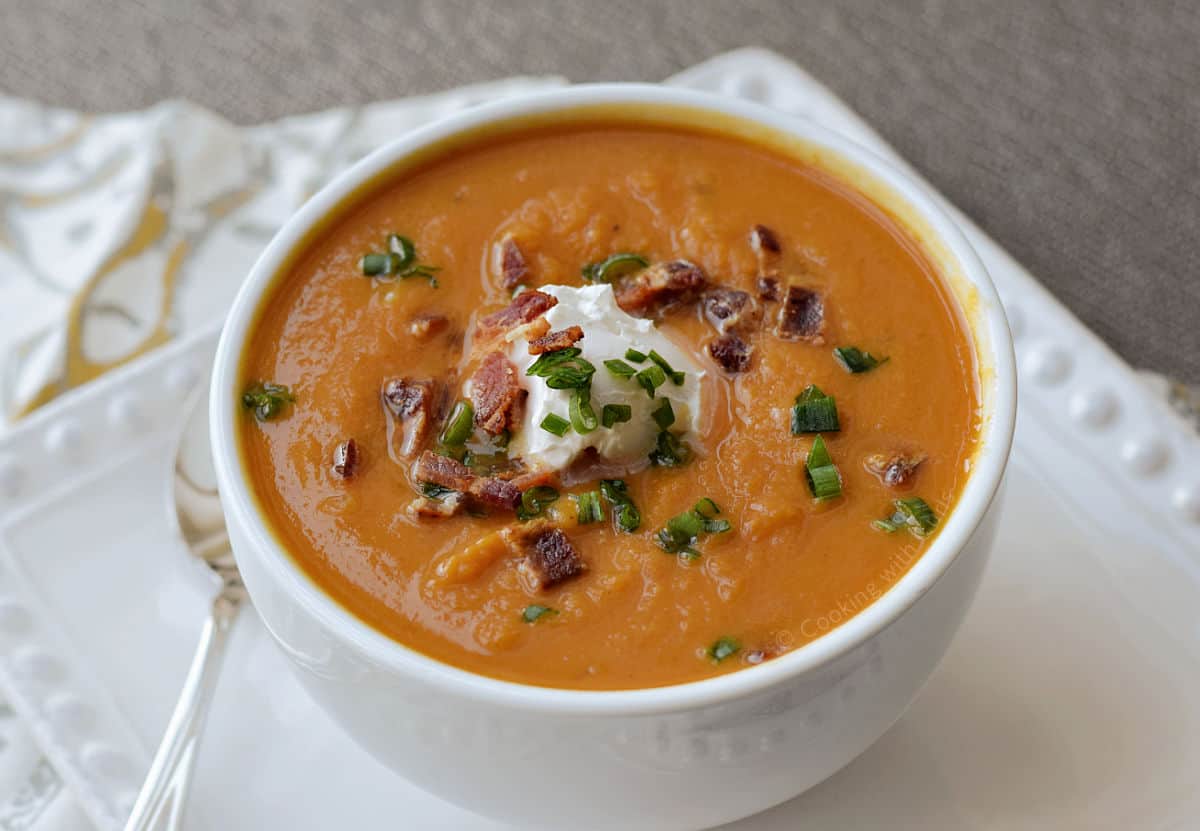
[745, 537]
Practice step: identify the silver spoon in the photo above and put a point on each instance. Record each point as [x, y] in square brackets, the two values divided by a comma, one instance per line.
[196, 511]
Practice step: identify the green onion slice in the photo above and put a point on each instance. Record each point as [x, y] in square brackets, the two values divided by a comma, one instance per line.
[814, 412]
[613, 267]
[679, 535]
[722, 648]
[669, 451]
[613, 414]
[583, 417]
[267, 399]
[913, 513]
[664, 416]
[626, 514]
[432, 490]
[651, 378]
[823, 478]
[555, 424]
[632, 354]
[619, 368]
[403, 251]
[563, 369]
[675, 376]
[535, 500]
[459, 426]
[374, 265]
[855, 360]
[533, 613]
[588, 506]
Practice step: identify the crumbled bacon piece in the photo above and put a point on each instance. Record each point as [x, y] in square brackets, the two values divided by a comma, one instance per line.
[731, 310]
[413, 403]
[894, 469]
[802, 316]
[495, 492]
[495, 394]
[730, 352]
[768, 288]
[345, 459]
[767, 250]
[442, 470]
[549, 555]
[551, 341]
[526, 307]
[425, 507]
[509, 263]
[660, 285]
[427, 324]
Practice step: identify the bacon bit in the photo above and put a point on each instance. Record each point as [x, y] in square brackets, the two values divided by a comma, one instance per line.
[767, 250]
[660, 285]
[731, 353]
[526, 307]
[412, 402]
[423, 507]
[802, 316]
[345, 459]
[549, 556]
[509, 263]
[495, 394]
[495, 493]
[442, 470]
[894, 469]
[551, 341]
[768, 288]
[426, 325]
[731, 310]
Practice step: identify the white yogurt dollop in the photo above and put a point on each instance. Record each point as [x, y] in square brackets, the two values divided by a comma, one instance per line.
[608, 332]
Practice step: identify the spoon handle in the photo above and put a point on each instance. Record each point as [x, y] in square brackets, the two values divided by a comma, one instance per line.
[166, 785]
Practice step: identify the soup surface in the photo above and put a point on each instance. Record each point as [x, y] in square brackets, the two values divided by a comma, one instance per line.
[567, 527]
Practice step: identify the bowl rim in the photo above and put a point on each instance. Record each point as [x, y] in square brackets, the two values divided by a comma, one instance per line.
[241, 508]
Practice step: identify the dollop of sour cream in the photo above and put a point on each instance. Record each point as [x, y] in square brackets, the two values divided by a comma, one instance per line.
[608, 331]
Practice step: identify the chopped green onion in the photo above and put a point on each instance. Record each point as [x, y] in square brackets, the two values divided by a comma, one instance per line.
[675, 376]
[619, 368]
[535, 500]
[432, 490]
[555, 424]
[615, 266]
[823, 478]
[588, 507]
[626, 514]
[612, 414]
[888, 526]
[399, 261]
[651, 378]
[664, 416]
[722, 648]
[814, 412]
[533, 613]
[918, 514]
[563, 369]
[403, 250]
[583, 417]
[266, 399]
[679, 535]
[855, 360]
[632, 354]
[669, 451]
[373, 265]
[459, 425]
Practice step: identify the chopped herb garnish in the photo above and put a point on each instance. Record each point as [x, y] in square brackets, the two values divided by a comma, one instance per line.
[555, 424]
[535, 500]
[814, 412]
[722, 648]
[459, 426]
[563, 369]
[625, 513]
[823, 478]
[615, 266]
[619, 368]
[855, 360]
[635, 356]
[669, 450]
[583, 417]
[398, 262]
[913, 513]
[588, 507]
[680, 533]
[533, 613]
[612, 414]
[266, 399]
[432, 490]
[664, 416]
[675, 376]
[651, 378]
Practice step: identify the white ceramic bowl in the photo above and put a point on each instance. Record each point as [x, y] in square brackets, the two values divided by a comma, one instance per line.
[687, 756]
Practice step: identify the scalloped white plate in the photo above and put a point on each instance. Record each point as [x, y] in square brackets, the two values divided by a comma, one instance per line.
[1069, 700]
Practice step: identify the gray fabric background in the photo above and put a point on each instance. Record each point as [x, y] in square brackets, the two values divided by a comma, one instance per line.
[1070, 130]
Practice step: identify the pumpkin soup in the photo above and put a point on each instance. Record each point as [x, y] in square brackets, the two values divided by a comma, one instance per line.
[609, 406]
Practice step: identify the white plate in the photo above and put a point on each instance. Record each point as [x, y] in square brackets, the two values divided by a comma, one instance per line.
[1068, 701]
